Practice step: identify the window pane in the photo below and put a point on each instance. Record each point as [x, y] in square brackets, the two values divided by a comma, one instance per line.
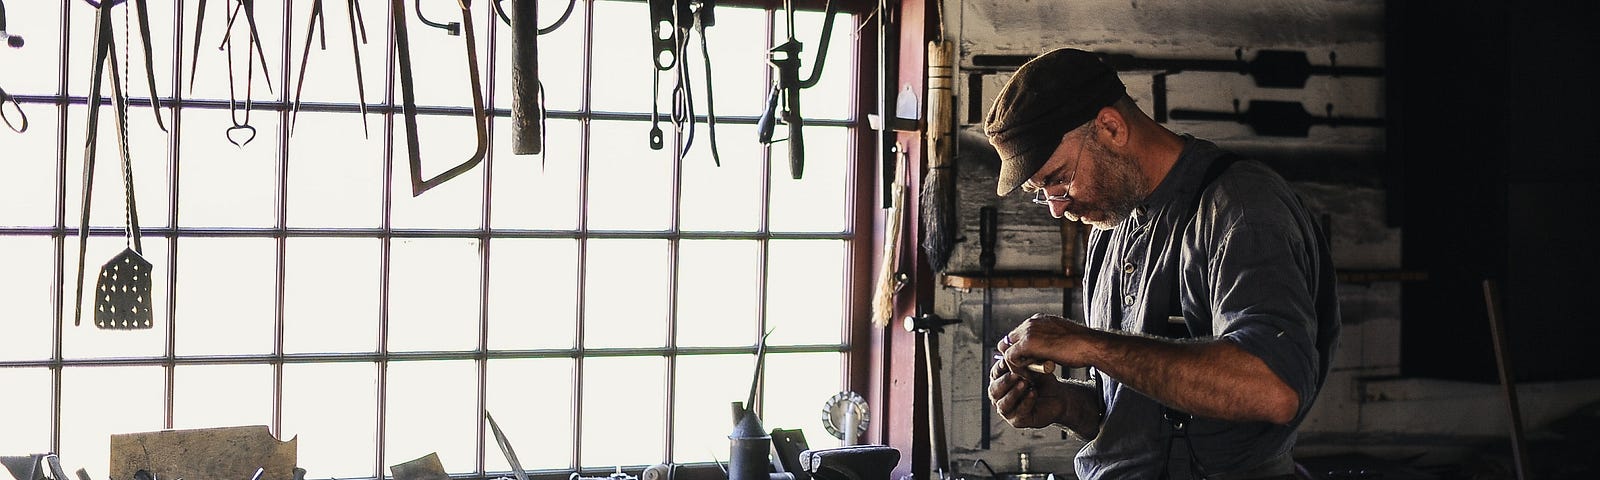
[717, 289]
[335, 176]
[208, 396]
[537, 192]
[40, 24]
[738, 58]
[28, 190]
[560, 59]
[225, 295]
[87, 424]
[27, 410]
[26, 291]
[622, 66]
[330, 295]
[816, 202]
[331, 76]
[805, 291]
[833, 96]
[623, 403]
[531, 400]
[533, 293]
[445, 142]
[433, 294]
[86, 341]
[222, 184]
[211, 74]
[433, 408]
[332, 408]
[707, 385]
[725, 198]
[630, 185]
[147, 150]
[808, 381]
[625, 294]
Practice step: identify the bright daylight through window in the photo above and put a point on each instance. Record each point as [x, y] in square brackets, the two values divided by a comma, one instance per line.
[602, 300]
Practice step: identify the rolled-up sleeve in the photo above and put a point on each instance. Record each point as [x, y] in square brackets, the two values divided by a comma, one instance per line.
[1262, 301]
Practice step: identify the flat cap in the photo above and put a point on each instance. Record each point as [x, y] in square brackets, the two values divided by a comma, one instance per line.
[1046, 98]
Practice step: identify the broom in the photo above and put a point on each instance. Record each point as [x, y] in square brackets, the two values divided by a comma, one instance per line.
[883, 294]
[938, 188]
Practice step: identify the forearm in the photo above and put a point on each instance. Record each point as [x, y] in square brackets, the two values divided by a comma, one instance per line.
[1214, 379]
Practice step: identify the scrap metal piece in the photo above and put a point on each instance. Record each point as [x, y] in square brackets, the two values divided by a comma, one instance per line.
[209, 453]
[425, 468]
[24, 467]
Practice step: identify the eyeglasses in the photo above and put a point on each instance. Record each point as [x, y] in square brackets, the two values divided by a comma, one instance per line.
[1043, 197]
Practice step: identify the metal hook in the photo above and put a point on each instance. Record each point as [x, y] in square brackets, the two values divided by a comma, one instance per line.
[15, 41]
[452, 28]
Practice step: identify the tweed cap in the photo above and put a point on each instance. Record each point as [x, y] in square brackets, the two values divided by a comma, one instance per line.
[1047, 97]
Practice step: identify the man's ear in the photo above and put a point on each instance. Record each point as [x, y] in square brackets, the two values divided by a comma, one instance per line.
[1110, 127]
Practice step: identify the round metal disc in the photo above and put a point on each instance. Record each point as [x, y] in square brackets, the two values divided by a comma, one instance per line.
[833, 413]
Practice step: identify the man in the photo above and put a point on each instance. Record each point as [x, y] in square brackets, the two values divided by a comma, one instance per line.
[1182, 230]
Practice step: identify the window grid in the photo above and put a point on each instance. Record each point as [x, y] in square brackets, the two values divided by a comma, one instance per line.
[174, 107]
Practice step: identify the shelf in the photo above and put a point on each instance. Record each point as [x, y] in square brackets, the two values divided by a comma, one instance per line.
[1010, 279]
[1043, 279]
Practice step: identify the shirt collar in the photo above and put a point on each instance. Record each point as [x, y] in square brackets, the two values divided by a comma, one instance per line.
[1180, 181]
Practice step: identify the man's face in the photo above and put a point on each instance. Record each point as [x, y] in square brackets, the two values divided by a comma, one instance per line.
[1085, 181]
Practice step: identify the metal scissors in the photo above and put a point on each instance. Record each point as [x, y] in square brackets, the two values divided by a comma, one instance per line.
[318, 24]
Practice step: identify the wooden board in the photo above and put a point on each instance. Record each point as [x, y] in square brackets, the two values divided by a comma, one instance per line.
[228, 453]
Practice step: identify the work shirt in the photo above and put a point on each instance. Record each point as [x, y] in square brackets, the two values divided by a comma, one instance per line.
[1254, 271]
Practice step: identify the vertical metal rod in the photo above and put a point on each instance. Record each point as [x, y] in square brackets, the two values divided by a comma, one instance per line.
[585, 130]
[58, 240]
[1502, 355]
[280, 238]
[174, 155]
[484, 247]
[397, 14]
[987, 235]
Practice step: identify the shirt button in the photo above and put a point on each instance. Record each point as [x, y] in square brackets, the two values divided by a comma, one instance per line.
[1128, 300]
[1128, 268]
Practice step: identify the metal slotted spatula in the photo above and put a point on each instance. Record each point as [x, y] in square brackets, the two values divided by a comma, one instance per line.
[122, 293]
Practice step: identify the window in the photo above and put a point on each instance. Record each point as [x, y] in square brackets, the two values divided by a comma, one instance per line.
[602, 300]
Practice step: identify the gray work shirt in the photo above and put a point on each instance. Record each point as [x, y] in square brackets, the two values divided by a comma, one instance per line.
[1255, 272]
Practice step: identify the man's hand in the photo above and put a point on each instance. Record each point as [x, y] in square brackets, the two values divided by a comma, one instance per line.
[1026, 399]
[1047, 337]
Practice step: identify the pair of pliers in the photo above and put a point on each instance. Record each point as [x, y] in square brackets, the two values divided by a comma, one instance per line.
[103, 44]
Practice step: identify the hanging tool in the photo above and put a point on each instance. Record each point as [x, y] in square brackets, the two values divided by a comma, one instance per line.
[128, 296]
[317, 24]
[785, 60]
[409, 104]
[12, 40]
[240, 132]
[888, 275]
[505, 448]
[249, 9]
[22, 116]
[527, 111]
[1277, 118]
[929, 326]
[149, 60]
[671, 22]
[938, 188]
[986, 259]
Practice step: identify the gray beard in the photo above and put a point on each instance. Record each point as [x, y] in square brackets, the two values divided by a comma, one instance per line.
[1124, 186]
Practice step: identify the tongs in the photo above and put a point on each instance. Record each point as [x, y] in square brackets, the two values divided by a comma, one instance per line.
[128, 281]
[317, 24]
